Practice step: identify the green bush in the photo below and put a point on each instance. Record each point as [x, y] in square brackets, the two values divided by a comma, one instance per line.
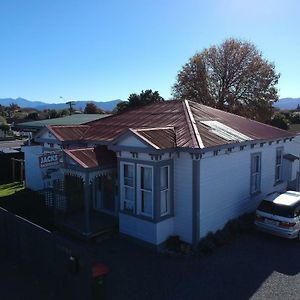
[211, 241]
[207, 245]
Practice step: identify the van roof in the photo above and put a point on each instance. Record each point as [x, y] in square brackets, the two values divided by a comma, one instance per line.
[288, 198]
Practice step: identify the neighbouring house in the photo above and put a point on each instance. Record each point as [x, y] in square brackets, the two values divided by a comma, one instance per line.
[170, 168]
[30, 128]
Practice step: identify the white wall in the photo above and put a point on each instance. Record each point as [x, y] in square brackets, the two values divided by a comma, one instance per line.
[154, 233]
[138, 228]
[183, 200]
[225, 184]
[33, 176]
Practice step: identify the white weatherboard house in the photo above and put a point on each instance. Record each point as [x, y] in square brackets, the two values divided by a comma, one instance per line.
[170, 168]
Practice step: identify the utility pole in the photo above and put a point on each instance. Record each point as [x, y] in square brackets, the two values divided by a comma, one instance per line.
[71, 103]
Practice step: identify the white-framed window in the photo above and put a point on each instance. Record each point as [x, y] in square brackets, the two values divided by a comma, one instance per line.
[255, 172]
[164, 190]
[145, 190]
[278, 164]
[127, 187]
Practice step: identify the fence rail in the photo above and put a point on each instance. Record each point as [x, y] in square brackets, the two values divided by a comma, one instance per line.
[63, 265]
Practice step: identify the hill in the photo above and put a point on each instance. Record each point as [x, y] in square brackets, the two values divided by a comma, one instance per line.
[287, 103]
[105, 105]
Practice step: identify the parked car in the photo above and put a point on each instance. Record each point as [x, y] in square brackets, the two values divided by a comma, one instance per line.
[279, 214]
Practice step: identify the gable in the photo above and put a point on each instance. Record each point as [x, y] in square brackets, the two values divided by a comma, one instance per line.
[131, 141]
[46, 135]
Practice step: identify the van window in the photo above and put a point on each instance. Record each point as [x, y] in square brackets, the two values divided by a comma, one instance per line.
[278, 209]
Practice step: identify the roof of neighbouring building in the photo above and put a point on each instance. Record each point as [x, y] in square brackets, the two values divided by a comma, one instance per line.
[92, 157]
[75, 119]
[183, 124]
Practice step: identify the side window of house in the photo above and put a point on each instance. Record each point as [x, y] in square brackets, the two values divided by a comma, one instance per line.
[128, 188]
[278, 164]
[145, 190]
[164, 190]
[255, 172]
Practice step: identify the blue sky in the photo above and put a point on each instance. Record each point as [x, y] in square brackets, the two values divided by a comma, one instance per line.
[107, 49]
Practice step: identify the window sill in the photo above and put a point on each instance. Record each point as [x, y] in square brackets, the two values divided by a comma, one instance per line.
[254, 194]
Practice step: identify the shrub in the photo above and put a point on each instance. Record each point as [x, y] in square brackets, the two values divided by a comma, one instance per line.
[246, 222]
[173, 243]
[207, 245]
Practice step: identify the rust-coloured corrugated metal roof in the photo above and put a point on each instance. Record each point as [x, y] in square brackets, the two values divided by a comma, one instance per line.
[190, 123]
[162, 138]
[93, 157]
[68, 133]
[165, 114]
[253, 129]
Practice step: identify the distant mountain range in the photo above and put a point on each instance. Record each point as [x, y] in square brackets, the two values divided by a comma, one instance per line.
[105, 105]
[287, 103]
[284, 103]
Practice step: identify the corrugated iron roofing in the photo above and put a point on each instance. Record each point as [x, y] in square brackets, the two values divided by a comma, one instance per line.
[69, 133]
[162, 138]
[93, 157]
[174, 114]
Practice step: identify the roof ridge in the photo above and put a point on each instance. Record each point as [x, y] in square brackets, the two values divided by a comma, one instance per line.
[194, 125]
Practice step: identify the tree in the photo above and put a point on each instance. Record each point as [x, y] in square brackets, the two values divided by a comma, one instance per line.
[33, 115]
[134, 100]
[233, 77]
[12, 109]
[279, 120]
[91, 108]
[53, 114]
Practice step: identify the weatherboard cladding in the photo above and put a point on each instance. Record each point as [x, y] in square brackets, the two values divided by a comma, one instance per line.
[185, 117]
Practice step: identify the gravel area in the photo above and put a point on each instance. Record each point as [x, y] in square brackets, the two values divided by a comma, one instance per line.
[253, 266]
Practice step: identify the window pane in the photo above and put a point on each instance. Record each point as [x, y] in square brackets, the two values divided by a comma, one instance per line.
[128, 205]
[128, 181]
[163, 202]
[128, 171]
[277, 172]
[146, 202]
[164, 182]
[278, 157]
[128, 193]
[146, 178]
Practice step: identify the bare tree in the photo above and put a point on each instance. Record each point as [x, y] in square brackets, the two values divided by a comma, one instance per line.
[232, 76]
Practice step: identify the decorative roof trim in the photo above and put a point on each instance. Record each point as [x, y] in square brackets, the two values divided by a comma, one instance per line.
[194, 125]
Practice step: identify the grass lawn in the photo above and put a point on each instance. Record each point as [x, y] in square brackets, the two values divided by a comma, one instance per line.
[11, 188]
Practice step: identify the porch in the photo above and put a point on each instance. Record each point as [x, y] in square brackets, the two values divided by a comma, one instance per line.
[90, 191]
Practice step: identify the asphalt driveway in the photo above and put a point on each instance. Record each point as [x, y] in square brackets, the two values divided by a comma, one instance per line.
[255, 266]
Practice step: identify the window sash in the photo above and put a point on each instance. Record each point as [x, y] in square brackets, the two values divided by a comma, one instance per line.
[145, 190]
[278, 165]
[127, 187]
[164, 190]
[255, 173]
